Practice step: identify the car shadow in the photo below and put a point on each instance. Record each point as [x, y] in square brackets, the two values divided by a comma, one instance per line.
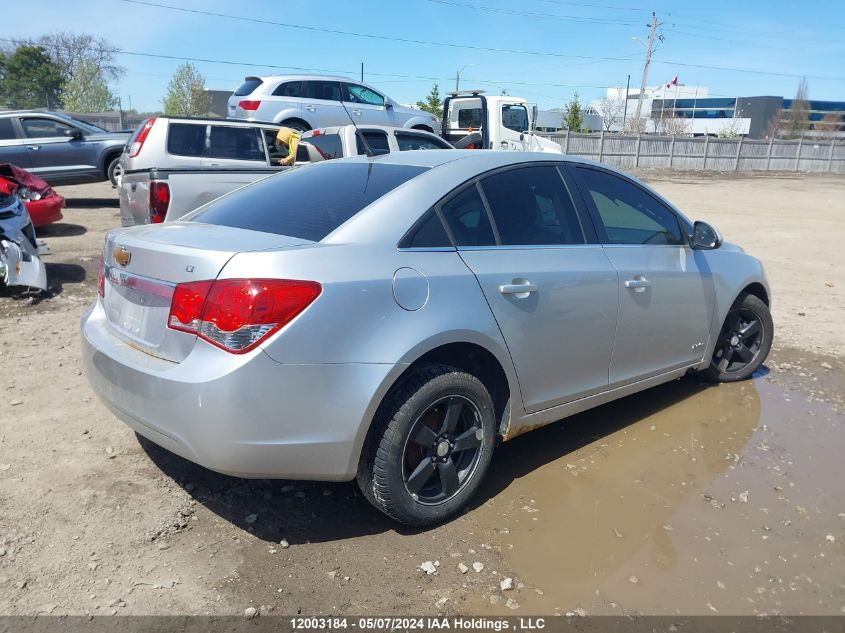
[91, 203]
[60, 229]
[318, 511]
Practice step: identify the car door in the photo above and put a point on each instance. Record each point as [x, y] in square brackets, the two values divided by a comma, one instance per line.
[13, 148]
[514, 117]
[367, 106]
[53, 155]
[322, 106]
[551, 288]
[232, 146]
[665, 291]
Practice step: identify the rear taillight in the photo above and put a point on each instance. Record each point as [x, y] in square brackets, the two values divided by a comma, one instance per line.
[159, 201]
[137, 140]
[249, 105]
[237, 314]
[101, 277]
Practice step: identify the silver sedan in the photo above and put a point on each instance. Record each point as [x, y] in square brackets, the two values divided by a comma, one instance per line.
[391, 319]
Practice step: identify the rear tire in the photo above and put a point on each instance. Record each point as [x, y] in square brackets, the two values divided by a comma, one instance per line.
[296, 124]
[744, 341]
[430, 446]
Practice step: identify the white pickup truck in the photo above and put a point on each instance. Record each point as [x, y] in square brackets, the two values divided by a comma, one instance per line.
[152, 195]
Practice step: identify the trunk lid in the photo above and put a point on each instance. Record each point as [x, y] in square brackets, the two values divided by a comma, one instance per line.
[143, 265]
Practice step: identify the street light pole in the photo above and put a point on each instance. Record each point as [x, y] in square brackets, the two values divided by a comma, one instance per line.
[649, 50]
[458, 77]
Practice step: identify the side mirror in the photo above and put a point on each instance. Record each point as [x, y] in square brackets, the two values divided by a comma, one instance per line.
[388, 105]
[705, 237]
[75, 133]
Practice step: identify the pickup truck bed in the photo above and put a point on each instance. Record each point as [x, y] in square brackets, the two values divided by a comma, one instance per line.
[186, 190]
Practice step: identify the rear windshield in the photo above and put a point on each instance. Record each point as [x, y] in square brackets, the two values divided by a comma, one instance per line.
[246, 88]
[329, 145]
[307, 202]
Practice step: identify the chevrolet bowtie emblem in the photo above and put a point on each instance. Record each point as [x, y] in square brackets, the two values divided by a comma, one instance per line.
[122, 255]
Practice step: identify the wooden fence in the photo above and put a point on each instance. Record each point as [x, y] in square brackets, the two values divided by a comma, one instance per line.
[683, 152]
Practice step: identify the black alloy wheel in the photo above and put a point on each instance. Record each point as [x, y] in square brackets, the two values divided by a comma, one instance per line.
[442, 450]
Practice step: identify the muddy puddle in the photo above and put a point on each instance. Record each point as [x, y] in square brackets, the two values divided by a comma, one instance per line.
[684, 499]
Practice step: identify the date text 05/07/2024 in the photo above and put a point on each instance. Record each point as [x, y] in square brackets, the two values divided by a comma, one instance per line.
[417, 623]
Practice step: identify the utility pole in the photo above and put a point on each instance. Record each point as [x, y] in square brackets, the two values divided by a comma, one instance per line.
[649, 50]
[625, 110]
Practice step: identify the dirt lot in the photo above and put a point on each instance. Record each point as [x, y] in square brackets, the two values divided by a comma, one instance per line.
[684, 499]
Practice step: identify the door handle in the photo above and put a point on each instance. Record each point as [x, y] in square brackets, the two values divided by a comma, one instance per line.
[356, 112]
[523, 289]
[213, 165]
[34, 147]
[638, 283]
[311, 108]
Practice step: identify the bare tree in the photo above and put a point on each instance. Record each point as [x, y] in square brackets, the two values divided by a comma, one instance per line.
[774, 128]
[611, 111]
[634, 125]
[830, 126]
[798, 115]
[68, 50]
[672, 126]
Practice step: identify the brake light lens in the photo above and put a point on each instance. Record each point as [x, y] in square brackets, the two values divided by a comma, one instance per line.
[249, 105]
[159, 201]
[101, 277]
[237, 314]
[137, 140]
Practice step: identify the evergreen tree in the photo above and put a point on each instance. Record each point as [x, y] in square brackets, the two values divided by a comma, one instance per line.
[573, 114]
[30, 80]
[433, 102]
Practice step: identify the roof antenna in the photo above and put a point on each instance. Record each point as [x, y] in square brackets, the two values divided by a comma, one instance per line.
[358, 133]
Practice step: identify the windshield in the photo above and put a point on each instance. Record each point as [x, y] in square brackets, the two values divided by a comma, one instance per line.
[307, 202]
[85, 125]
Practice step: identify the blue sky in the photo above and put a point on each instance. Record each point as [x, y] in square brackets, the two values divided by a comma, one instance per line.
[781, 37]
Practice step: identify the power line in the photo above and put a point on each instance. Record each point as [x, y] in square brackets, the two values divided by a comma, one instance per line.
[462, 46]
[543, 16]
[388, 38]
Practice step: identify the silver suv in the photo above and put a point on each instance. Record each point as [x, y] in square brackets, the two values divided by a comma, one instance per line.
[305, 102]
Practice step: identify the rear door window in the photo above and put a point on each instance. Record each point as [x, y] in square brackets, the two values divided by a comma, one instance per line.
[307, 203]
[375, 139]
[248, 86]
[323, 90]
[186, 139]
[289, 89]
[238, 143]
[7, 130]
[531, 206]
[466, 216]
[329, 145]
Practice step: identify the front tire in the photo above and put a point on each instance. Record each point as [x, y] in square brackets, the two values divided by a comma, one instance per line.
[430, 446]
[744, 341]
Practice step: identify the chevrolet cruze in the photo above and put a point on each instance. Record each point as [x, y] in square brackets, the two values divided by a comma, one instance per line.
[391, 319]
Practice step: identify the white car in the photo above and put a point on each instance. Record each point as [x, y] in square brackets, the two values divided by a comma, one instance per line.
[306, 102]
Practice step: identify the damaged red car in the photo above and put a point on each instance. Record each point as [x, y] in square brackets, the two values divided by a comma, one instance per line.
[43, 204]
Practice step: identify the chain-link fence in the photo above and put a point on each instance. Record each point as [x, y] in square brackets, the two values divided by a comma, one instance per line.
[682, 152]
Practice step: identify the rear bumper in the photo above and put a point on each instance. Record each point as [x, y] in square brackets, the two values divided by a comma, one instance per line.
[247, 416]
[46, 210]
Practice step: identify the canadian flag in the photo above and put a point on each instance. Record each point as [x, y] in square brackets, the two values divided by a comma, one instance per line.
[674, 82]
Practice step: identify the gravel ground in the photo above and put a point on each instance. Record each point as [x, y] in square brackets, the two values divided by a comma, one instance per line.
[683, 499]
